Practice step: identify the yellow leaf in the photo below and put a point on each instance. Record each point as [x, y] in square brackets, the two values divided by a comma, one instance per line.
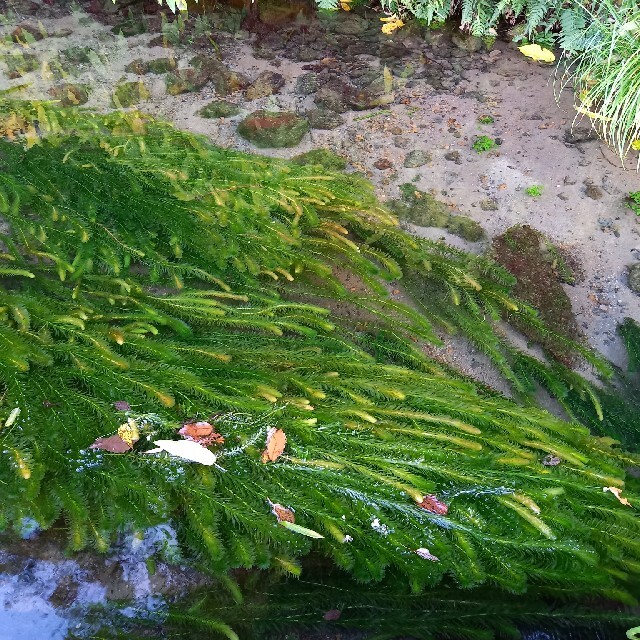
[592, 114]
[344, 5]
[392, 23]
[635, 145]
[616, 492]
[537, 53]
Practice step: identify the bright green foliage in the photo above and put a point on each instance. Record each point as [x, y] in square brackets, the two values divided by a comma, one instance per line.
[483, 143]
[534, 191]
[634, 202]
[144, 265]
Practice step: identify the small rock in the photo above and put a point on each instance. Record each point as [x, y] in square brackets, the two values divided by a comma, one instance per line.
[569, 180]
[157, 66]
[577, 135]
[266, 84]
[324, 119]
[633, 277]
[324, 157]
[307, 84]
[416, 158]
[330, 99]
[382, 164]
[267, 129]
[350, 25]
[185, 81]
[453, 156]
[466, 42]
[593, 191]
[489, 204]
[219, 109]
[401, 142]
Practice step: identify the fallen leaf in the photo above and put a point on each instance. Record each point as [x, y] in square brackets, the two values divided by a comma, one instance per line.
[592, 114]
[121, 405]
[635, 145]
[425, 554]
[551, 461]
[310, 533]
[332, 614]
[129, 432]
[112, 444]
[537, 53]
[391, 24]
[276, 442]
[12, 417]
[616, 492]
[201, 432]
[432, 504]
[282, 513]
[186, 449]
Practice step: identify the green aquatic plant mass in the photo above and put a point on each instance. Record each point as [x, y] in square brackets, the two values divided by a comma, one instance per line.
[149, 279]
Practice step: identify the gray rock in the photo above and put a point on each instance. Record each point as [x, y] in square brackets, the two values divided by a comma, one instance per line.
[351, 25]
[266, 84]
[576, 135]
[331, 99]
[324, 119]
[307, 84]
[453, 156]
[489, 204]
[593, 191]
[416, 158]
[466, 42]
[633, 277]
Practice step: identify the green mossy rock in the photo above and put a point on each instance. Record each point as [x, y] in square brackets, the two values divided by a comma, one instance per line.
[224, 79]
[219, 109]
[77, 55]
[540, 271]
[157, 66]
[71, 95]
[270, 129]
[127, 94]
[19, 64]
[185, 81]
[422, 209]
[323, 157]
[633, 278]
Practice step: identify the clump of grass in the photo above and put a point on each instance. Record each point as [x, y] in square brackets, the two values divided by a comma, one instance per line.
[605, 75]
[633, 202]
[486, 119]
[534, 191]
[483, 143]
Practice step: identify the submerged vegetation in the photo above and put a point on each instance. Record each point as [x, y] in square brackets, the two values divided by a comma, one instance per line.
[153, 281]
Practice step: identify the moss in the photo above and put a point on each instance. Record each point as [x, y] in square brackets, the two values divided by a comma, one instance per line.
[422, 209]
[127, 94]
[219, 109]
[324, 157]
[540, 271]
[273, 129]
[20, 64]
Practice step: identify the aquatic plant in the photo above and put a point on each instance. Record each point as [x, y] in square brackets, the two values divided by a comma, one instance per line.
[153, 281]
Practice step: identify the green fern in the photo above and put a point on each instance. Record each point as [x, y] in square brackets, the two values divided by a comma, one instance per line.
[185, 280]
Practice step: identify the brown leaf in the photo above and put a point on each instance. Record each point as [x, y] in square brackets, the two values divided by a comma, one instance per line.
[432, 504]
[112, 444]
[282, 513]
[332, 614]
[201, 432]
[276, 442]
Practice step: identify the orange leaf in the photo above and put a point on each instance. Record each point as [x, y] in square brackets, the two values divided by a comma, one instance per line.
[200, 432]
[282, 513]
[432, 504]
[276, 442]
